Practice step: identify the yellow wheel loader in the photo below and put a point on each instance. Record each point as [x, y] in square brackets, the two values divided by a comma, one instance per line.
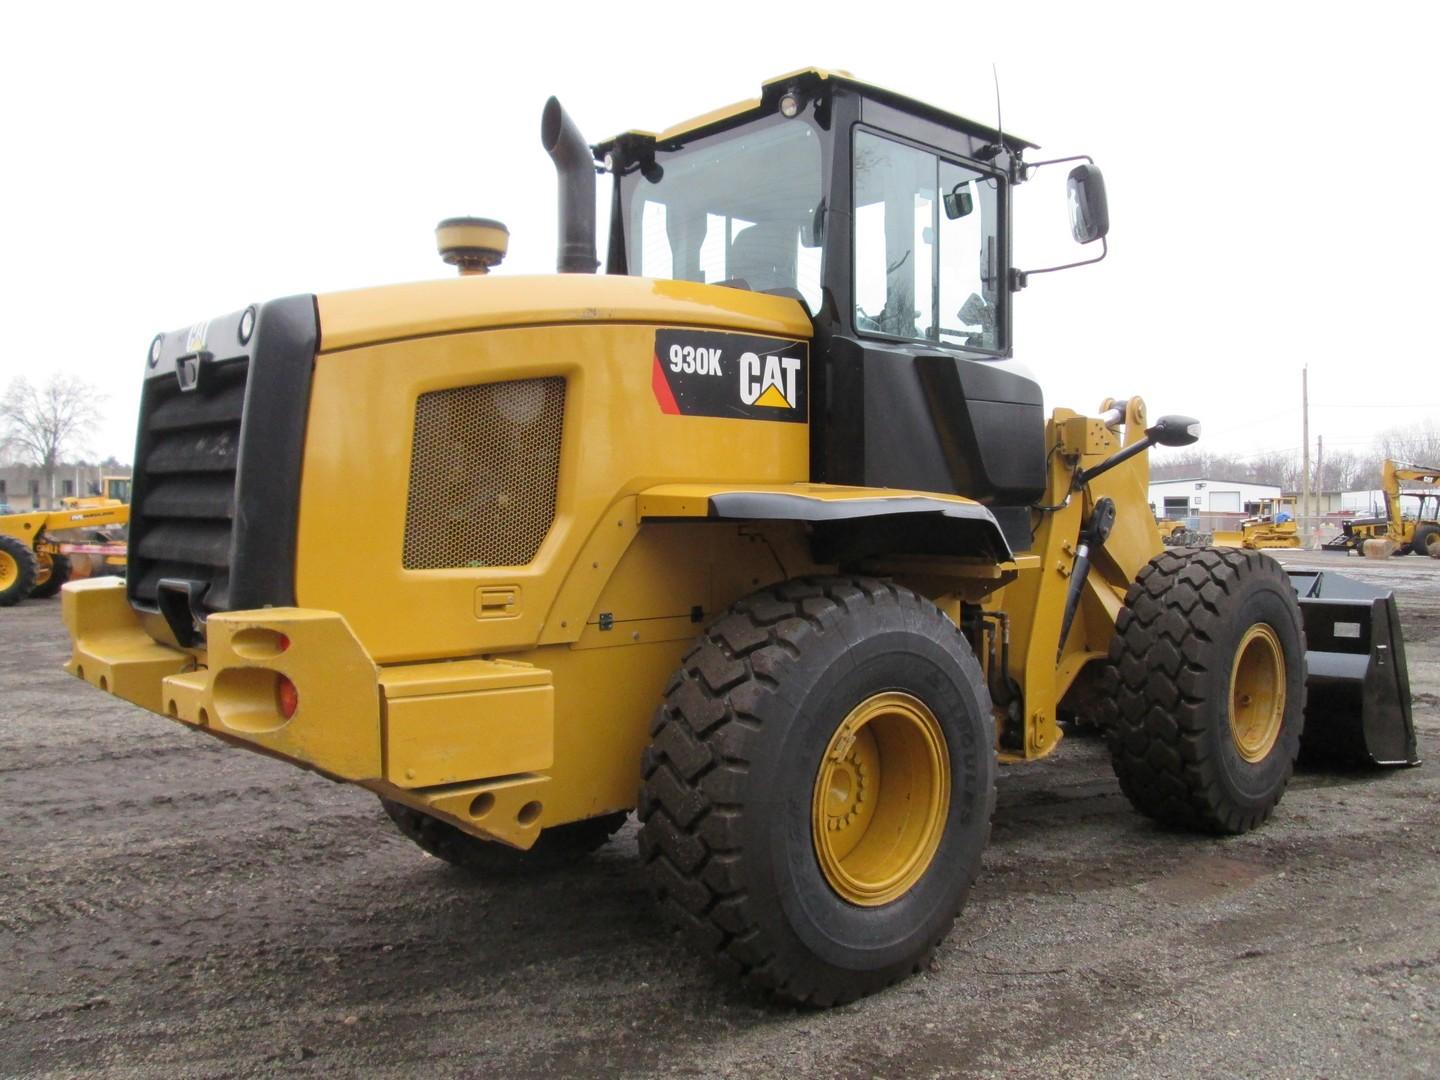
[762, 533]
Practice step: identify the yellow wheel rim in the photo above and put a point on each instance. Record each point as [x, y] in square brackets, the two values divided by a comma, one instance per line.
[1257, 693]
[9, 569]
[881, 798]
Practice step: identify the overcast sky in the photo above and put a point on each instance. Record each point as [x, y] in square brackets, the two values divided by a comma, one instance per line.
[1264, 163]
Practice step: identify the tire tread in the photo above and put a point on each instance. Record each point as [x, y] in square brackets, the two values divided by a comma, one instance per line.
[1159, 662]
[691, 804]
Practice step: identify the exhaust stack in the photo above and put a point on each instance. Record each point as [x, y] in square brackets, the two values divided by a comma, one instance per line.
[575, 169]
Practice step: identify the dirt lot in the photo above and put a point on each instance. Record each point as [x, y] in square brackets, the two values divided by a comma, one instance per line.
[170, 907]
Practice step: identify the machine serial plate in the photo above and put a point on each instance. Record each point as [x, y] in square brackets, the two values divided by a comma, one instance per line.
[736, 376]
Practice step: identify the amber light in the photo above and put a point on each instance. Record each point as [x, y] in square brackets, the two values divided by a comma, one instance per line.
[287, 697]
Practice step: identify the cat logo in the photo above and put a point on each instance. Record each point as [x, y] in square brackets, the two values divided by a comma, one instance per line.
[195, 339]
[731, 376]
[768, 381]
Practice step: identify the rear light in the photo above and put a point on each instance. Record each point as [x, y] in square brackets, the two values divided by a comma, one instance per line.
[282, 642]
[286, 697]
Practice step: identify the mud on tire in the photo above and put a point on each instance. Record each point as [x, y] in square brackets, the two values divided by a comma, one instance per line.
[1176, 680]
[734, 786]
[557, 846]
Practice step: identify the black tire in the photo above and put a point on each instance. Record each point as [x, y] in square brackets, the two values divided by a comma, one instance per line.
[1420, 542]
[59, 574]
[557, 846]
[1172, 662]
[732, 776]
[17, 570]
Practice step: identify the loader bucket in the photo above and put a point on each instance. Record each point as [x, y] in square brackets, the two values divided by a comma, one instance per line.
[1357, 708]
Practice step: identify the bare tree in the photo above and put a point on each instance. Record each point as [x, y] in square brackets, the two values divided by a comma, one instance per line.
[1419, 443]
[1342, 470]
[42, 425]
[1275, 467]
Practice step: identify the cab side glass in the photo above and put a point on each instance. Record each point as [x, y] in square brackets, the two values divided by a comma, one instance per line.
[1089, 213]
[927, 246]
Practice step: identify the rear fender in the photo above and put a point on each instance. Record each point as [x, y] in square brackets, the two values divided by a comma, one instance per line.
[849, 523]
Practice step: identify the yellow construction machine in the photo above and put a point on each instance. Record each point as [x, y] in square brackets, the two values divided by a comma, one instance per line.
[112, 490]
[1416, 532]
[1274, 526]
[43, 549]
[762, 533]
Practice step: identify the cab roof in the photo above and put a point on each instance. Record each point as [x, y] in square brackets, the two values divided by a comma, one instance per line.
[771, 91]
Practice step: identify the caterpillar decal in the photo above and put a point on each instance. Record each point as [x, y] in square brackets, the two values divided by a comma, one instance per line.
[735, 376]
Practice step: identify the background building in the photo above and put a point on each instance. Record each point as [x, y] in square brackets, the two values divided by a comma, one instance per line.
[1206, 503]
[22, 487]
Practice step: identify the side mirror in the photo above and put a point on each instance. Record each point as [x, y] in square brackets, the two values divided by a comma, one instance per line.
[958, 201]
[1089, 213]
[1172, 430]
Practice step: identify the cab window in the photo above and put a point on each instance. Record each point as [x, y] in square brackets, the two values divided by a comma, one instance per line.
[927, 252]
[738, 208]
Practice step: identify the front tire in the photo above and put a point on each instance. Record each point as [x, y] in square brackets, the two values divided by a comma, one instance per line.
[818, 789]
[1208, 668]
[17, 570]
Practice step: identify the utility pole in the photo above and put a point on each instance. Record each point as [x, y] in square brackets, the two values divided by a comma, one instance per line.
[1305, 453]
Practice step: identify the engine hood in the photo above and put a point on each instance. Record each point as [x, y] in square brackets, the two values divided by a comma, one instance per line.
[395, 312]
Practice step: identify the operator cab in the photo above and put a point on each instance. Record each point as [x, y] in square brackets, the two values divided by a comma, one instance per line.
[890, 221]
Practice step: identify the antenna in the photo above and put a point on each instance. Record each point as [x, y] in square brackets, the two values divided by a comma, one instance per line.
[996, 148]
[999, 126]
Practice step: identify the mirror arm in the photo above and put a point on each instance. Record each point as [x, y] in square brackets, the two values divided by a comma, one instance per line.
[1085, 476]
[1020, 278]
[1027, 167]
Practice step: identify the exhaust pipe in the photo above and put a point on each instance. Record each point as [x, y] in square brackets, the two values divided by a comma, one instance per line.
[575, 169]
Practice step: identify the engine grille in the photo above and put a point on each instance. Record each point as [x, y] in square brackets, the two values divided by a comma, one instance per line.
[483, 474]
[181, 523]
[218, 455]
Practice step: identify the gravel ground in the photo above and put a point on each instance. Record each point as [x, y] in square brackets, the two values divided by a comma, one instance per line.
[170, 907]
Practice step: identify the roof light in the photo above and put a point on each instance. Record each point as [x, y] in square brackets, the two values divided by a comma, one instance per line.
[790, 105]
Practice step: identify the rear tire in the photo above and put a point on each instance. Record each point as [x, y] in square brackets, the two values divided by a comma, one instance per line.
[1208, 668]
[556, 846]
[59, 573]
[18, 569]
[757, 837]
[1425, 535]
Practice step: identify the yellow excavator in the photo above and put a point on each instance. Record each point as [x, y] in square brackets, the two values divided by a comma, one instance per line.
[763, 534]
[1416, 532]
